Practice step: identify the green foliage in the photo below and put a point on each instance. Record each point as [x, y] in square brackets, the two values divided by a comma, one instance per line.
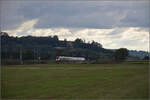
[121, 54]
[28, 55]
[47, 47]
[146, 58]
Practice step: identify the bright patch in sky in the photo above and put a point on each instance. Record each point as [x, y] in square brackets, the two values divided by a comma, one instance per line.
[129, 37]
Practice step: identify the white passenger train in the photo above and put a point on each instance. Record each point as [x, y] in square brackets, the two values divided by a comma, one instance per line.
[71, 59]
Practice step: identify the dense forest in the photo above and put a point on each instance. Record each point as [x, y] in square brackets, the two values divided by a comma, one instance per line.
[31, 47]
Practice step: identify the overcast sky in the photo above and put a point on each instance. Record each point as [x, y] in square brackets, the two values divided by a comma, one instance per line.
[114, 24]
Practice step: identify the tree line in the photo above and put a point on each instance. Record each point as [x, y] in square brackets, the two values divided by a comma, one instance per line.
[47, 48]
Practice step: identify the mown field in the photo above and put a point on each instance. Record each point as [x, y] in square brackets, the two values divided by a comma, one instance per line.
[75, 81]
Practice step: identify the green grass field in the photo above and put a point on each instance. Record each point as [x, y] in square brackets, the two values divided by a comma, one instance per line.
[75, 81]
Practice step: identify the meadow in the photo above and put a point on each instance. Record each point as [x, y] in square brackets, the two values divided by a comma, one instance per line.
[75, 81]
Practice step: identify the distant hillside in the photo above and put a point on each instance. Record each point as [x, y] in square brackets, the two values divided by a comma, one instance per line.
[140, 54]
[135, 53]
[31, 47]
[49, 47]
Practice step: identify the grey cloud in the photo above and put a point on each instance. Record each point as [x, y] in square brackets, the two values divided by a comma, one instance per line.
[136, 17]
[79, 14]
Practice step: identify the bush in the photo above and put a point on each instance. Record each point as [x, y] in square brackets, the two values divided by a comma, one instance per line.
[10, 62]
